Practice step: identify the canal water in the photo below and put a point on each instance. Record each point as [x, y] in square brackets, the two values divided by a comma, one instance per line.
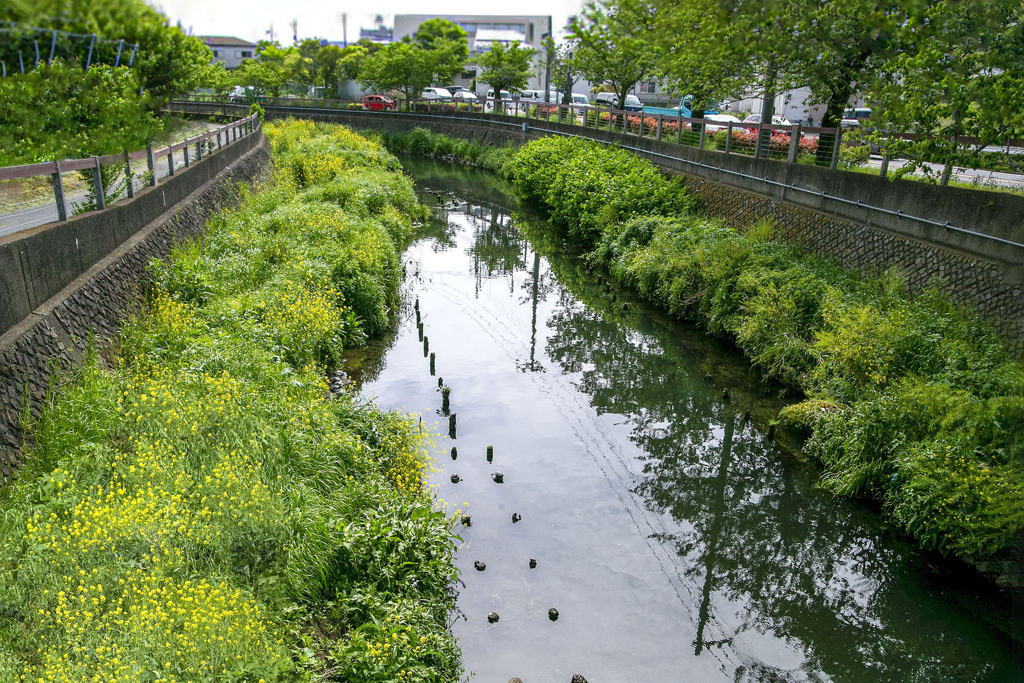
[676, 541]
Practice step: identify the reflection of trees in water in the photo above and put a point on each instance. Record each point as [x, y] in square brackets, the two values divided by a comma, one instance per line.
[797, 564]
[800, 564]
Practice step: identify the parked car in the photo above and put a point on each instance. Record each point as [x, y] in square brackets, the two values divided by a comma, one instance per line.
[436, 94]
[378, 103]
[776, 121]
[456, 88]
[610, 99]
[723, 121]
[464, 96]
[505, 95]
[538, 96]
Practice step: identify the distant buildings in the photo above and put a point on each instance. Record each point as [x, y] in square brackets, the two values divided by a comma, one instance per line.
[229, 51]
[485, 30]
[379, 34]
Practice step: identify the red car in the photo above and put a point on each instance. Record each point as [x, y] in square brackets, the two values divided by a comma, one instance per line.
[378, 103]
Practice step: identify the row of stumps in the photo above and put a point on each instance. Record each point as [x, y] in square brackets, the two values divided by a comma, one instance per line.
[497, 476]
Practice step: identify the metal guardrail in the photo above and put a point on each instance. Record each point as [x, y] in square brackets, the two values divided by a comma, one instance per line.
[203, 144]
[525, 125]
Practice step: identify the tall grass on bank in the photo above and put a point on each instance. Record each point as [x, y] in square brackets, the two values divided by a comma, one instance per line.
[909, 402]
[198, 509]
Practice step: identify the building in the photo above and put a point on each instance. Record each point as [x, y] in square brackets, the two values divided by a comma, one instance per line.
[229, 51]
[483, 31]
[379, 34]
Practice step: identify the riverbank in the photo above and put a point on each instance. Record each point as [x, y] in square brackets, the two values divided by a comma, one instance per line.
[911, 403]
[200, 504]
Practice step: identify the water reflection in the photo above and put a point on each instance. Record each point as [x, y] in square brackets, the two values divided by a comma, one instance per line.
[757, 574]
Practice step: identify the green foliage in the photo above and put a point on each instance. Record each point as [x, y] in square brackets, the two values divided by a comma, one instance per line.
[505, 68]
[168, 62]
[576, 179]
[62, 111]
[447, 42]
[960, 73]
[202, 491]
[911, 402]
[611, 44]
[423, 142]
[255, 108]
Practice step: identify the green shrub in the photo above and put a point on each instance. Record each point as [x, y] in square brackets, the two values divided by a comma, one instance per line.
[200, 510]
[890, 381]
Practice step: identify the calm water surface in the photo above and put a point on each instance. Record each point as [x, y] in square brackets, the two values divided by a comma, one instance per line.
[675, 540]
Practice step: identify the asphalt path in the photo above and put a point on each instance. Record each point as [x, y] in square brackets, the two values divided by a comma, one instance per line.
[45, 211]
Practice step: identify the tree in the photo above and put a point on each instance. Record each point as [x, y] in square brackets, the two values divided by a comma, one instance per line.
[565, 72]
[168, 62]
[611, 44]
[400, 66]
[448, 44]
[63, 111]
[703, 52]
[333, 64]
[265, 77]
[507, 68]
[959, 71]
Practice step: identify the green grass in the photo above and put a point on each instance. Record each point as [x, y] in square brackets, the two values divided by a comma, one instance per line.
[199, 509]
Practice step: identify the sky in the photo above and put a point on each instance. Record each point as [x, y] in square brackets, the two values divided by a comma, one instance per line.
[322, 19]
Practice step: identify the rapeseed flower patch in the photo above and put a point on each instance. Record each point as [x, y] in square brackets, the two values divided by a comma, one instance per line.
[190, 508]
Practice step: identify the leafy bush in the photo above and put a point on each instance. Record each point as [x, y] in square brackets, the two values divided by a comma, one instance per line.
[199, 510]
[64, 112]
[911, 402]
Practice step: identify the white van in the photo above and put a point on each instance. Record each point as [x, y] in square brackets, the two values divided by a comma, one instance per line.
[538, 96]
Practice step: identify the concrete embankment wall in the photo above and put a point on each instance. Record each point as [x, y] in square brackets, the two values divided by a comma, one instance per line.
[814, 207]
[64, 284]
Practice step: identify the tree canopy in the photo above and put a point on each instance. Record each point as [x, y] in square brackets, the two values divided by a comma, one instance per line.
[611, 43]
[168, 62]
[505, 68]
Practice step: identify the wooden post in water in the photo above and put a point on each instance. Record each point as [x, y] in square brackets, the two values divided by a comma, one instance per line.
[431, 365]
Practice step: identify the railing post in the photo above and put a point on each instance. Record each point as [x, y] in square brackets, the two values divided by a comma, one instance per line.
[199, 149]
[58, 193]
[625, 122]
[884, 172]
[679, 129]
[151, 162]
[836, 147]
[219, 145]
[643, 131]
[610, 117]
[129, 182]
[757, 144]
[728, 138]
[170, 159]
[794, 143]
[657, 135]
[97, 184]
[185, 150]
[703, 134]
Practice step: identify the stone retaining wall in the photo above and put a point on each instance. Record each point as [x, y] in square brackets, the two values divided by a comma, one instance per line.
[969, 280]
[53, 338]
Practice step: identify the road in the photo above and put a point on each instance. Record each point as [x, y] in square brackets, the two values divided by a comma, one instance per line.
[960, 174]
[46, 210]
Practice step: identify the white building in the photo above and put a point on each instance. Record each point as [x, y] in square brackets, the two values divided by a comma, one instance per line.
[483, 31]
[229, 51]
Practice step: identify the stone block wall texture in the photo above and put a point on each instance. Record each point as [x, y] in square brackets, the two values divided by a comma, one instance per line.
[56, 335]
[968, 280]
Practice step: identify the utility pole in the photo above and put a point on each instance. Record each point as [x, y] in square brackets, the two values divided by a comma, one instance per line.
[295, 31]
[344, 28]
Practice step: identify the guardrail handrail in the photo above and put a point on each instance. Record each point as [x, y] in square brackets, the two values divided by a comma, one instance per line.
[54, 169]
[525, 125]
